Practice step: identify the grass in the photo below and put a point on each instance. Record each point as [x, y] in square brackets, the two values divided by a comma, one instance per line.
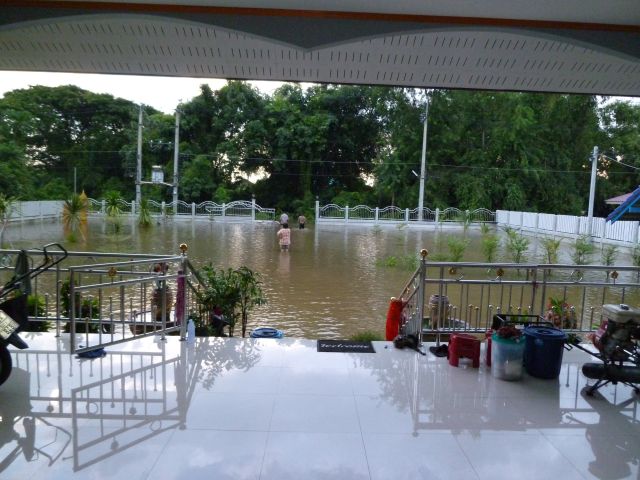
[366, 336]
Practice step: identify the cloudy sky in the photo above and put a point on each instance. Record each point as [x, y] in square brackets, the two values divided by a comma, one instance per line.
[162, 93]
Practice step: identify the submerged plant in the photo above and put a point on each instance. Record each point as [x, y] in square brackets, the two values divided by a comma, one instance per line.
[144, 215]
[490, 244]
[74, 217]
[582, 250]
[457, 248]
[551, 247]
[517, 246]
[113, 210]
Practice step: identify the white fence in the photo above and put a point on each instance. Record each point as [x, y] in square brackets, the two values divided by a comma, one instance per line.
[36, 210]
[237, 210]
[571, 226]
[332, 213]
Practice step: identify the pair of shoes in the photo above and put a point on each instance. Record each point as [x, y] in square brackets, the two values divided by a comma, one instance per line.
[441, 351]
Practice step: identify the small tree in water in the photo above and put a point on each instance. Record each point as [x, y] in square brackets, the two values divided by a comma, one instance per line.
[582, 250]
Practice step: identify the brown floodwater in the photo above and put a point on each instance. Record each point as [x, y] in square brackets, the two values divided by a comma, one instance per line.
[334, 282]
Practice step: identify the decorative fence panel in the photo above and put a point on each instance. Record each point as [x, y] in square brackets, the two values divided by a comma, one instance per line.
[391, 213]
[362, 212]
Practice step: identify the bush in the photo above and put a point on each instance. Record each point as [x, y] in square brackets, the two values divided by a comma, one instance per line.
[582, 250]
[490, 245]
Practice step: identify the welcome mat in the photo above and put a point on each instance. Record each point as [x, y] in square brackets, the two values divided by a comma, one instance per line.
[348, 346]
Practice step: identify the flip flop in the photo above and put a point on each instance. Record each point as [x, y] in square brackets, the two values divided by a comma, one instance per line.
[440, 351]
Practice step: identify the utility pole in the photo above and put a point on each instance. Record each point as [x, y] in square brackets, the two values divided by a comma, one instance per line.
[176, 154]
[423, 166]
[139, 159]
[592, 188]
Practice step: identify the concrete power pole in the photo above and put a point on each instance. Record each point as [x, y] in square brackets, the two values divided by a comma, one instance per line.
[176, 155]
[592, 189]
[423, 166]
[139, 160]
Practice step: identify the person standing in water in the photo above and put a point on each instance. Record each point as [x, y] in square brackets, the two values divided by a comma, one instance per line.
[301, 221]
[284, 237]
[284, 218]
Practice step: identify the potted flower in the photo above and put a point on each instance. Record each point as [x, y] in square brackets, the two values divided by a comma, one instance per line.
[561, 314]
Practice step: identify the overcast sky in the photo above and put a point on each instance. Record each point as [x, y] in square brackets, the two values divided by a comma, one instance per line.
[162, 93]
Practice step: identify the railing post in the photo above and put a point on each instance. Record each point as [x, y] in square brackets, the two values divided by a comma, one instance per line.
[537, 223]
[224, 209]
[406, 215]
[103, 207]
[346, 214]
[421, 294]
[181, 295]
[193, 209]
[253, 208]
[72, 310]
[376, 217]
[162, 208]
[317, 209]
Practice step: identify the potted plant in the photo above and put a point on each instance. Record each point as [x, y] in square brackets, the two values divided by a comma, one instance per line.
[561, 314]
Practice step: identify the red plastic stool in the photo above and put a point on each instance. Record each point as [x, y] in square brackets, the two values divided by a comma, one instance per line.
[462, 345]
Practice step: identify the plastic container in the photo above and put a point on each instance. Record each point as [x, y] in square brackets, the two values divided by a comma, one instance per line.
[506, 357]
[543, 351]
[191, 331]
[266, 332]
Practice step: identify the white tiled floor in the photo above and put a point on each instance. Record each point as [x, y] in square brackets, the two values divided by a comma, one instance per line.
[277, 409]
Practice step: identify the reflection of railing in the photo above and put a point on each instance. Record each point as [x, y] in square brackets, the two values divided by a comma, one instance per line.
[392, 214]
[140, 394]
[468, 295]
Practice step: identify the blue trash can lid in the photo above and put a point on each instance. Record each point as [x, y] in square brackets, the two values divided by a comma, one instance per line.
[545, 333]
[266, 332]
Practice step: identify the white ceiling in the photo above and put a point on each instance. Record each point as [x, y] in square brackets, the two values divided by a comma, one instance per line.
[175, 40]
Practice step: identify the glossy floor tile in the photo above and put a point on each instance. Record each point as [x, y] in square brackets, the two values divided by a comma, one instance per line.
[231, 408]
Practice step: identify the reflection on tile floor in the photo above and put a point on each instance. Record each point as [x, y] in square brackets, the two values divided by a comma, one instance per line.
[276, 409]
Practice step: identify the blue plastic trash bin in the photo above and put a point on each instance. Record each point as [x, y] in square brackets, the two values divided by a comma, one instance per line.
[266, 332]
[543, 351]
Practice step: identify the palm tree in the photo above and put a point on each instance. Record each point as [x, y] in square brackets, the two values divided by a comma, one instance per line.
[74, 216]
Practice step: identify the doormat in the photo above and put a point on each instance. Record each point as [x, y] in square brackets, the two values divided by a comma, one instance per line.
[348, 346]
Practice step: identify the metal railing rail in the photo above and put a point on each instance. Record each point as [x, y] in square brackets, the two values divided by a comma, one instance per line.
[117, 300]
[465, 296]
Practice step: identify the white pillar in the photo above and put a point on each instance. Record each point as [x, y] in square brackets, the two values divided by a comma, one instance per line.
[346, 214]
[193, 209]
[176, 155]
[377, 211]
[592, 189]
[423, 160]
[317, 210]
[253, 208]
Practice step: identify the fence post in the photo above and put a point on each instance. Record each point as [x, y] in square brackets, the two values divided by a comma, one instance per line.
[577, 228]
[376, 215]
[637, 239]
[224, 210]
[437, 215]
[193, 209]
[406, 215]
[162, 209]
[317, 209]
[346, 214]
[253, 208]
[103, 207]
[133, 207]
[555, 223]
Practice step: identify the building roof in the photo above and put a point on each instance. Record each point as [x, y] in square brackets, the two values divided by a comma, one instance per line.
[573, 46]
[628, 210]
[620, 199]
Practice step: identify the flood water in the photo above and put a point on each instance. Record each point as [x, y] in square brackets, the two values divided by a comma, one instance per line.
[331, 284]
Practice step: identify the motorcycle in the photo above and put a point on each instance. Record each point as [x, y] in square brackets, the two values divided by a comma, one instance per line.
[13, 309]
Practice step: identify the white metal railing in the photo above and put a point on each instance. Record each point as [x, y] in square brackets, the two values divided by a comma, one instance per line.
[469, 295]
[239, 209]
[625, 232]
[393, 214]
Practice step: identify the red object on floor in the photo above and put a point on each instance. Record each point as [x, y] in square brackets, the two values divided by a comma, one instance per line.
[394, 317]
[462, 345]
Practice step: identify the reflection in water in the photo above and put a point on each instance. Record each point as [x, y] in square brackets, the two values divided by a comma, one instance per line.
[59, 408]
